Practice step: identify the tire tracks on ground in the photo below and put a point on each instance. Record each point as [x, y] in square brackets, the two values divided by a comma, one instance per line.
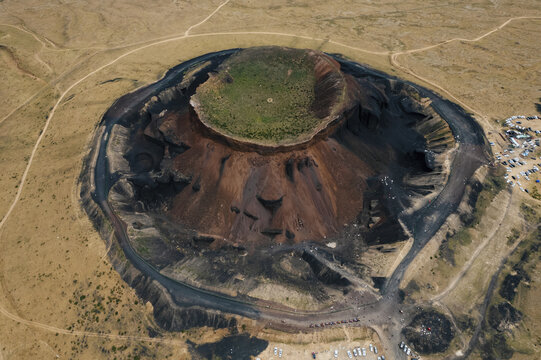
[475, 254]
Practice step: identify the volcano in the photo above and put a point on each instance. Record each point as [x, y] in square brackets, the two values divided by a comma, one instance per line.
[272, 164]
[287, 185]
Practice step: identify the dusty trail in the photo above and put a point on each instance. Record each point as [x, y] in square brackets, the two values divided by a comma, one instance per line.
[474, 256]
[58, 330]
[393, 55]
[32, 97]
[470, 40]
[207, 18]
[22, 29]
[50, 84]
[43, 45]
[40, 60]
[53, 110]
[50, 348]
[394, 62]
[36, 324]
[488, 297]
[393, 58]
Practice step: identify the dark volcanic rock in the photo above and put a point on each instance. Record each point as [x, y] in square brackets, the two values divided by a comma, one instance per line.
[503, 316]
[323, 272]
[271, 232]
[170, 316]
[435, 340]
[232, 347]
[508, 289]
[270, 203]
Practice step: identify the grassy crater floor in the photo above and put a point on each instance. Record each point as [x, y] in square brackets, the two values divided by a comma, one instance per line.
[262, 94]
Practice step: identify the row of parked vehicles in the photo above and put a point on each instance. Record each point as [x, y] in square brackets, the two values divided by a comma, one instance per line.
[407, 350]
[360, 352]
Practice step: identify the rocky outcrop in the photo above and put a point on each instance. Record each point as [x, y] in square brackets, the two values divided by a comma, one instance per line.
[372, 101]
[503, 316]
[168, 314]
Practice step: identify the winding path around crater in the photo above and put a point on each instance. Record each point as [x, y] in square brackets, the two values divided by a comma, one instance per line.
[423, 224]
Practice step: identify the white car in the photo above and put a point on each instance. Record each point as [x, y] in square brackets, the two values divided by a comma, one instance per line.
[280, 353]
[335, 353]
[371, 347]
[375, 350]
[275, 350]
[355, 352]
[349, 355]
[364, 351]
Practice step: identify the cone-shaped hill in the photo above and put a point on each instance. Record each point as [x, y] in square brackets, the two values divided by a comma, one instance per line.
[240, 172]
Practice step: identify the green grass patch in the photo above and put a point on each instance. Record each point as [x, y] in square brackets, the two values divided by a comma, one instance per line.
[513, 279]
[493, 184]
[142, 245]
[529, 214]
[262, 94]
[515, 234]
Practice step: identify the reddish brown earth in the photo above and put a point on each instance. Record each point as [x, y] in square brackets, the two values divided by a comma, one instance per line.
[244, 193]
[242, 196]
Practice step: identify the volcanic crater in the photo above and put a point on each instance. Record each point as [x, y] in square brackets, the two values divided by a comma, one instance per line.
[284, 183]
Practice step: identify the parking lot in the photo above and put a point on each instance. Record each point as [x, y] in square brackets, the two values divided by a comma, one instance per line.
[353, 350]
[520, 152]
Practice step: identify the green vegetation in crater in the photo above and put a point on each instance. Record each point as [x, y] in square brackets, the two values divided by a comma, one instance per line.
[263, 94]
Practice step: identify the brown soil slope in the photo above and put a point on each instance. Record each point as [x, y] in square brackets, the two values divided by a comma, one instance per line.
[243, 196]
[245, 191]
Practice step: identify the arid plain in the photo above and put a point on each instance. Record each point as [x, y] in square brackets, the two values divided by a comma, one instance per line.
[62, 65]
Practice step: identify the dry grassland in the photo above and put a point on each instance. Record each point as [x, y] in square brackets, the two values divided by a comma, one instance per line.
[438, 278]
[58, 293]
